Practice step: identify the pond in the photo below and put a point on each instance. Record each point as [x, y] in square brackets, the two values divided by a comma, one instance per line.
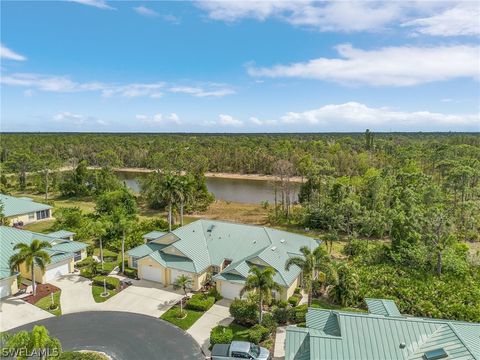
[237, 190]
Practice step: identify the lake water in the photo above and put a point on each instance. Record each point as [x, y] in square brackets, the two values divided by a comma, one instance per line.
[237, 190]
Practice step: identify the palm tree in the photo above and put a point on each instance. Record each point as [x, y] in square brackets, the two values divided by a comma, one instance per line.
[186, 189]
[97, 229]
[32, 255]
[261, 281]
[344, 291]
[38, 339]
[314, 264]
[170, 192]
[183, 282]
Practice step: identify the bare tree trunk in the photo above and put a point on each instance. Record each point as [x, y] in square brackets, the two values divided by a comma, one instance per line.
[170, 216]
[46, 184]
[261, 309]
[101, 252]
[439, 263]
[181, 213]
[123, 252]
[34, 286]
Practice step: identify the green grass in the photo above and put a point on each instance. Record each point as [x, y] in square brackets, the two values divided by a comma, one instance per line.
[97, 290]
[187, 322]
[323, 304]
[40, 227]
[44, 303]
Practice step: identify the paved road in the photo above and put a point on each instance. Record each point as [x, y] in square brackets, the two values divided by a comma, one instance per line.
[123, 336]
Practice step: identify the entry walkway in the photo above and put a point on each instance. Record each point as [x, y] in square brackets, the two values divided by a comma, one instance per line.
[218, 314]
[279, 351]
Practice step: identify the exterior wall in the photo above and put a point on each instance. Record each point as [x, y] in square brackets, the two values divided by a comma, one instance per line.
[287, 292]
[14, 285]
[83, 254]
[26, 219]
[150, 262]
[71, 263]
[9, 284]
[27, 274]
[130, 262]
[199, 279]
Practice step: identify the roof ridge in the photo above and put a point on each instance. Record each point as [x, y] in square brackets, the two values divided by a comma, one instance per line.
[271, 243]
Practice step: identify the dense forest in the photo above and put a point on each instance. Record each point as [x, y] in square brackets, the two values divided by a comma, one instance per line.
[406, 206]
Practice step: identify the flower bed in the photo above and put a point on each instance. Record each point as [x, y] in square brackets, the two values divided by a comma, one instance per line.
[41, 291]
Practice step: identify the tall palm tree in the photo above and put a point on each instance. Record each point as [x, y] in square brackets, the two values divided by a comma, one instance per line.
[344, 291]
[183, 282]
[170, 192]
[32, 255]
[315, 265]
[261, 281]
[97, 229]
[186, 190]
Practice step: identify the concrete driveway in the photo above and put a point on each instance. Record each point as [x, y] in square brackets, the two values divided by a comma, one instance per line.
[142, 297]
[218, 314]
[15, 312]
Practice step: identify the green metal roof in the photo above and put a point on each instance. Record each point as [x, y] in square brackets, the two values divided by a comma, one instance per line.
[382, 307]
[19, 206]
[61, 234]
[10, 236]
[144, 249]
[335, 335]
[210, 242]
[152, 235]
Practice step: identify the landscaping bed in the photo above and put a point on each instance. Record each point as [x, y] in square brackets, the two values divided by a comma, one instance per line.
[173, 316]
[46, 304]
[113, 285]
[42, 290]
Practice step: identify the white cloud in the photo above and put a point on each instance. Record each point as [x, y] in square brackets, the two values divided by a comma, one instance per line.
[100, 4]
[228, 120]
[159, 119]
[324, 16]
[201, 92]
[258, 122]
[145, 11]
[6, 53]
[28, 93]
[354, 115]
[66, 116]
[395, 66]
[463, 19]
[155, 90]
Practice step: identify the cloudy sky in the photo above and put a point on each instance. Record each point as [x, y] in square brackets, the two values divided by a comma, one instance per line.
[251, 66]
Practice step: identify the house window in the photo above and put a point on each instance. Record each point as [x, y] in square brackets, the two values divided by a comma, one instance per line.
[77, 256]
[134, 262]
[43, 214]
[31, 216]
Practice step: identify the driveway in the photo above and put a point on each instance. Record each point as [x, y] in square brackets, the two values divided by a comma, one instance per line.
[142, 297]
[15, 312]
[218, 314]
[122, 336]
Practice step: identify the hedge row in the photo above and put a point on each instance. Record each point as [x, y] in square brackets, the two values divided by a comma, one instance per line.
[200, 302]
[110, 282]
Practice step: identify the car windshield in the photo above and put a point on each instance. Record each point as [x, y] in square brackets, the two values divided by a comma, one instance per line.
[254, 350]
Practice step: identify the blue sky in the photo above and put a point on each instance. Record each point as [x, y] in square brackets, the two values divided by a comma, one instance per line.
[93, 65]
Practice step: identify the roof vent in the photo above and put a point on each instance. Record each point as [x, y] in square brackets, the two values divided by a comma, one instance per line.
[282, 241]
[402, 345]
[435, 354]
[210, 228]
[254, 241]
[274, 248]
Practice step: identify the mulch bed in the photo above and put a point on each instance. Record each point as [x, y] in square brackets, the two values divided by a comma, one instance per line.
[42, 291]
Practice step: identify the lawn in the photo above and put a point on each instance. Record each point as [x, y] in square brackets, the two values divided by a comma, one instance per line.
[240, 333]
[40, 227]
[97, 290]
[323, 304]
[187, 322]
[44, 303]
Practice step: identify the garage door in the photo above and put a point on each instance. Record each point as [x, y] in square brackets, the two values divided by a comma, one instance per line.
[5, 287]
[152, 273]
[230, 290]
[176, 273]
[55, 271]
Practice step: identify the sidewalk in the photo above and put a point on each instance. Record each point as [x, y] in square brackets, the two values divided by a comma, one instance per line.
[279, 351]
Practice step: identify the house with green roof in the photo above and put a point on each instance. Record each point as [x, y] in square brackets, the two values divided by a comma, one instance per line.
[23, 210]
[381, 334]
[224, 250]
[63, 254]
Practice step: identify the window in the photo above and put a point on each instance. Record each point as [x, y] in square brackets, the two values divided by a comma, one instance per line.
[31, 216]
[435, 354]
[240, 355]
[77, 256]
[43, 214]
[134, 262]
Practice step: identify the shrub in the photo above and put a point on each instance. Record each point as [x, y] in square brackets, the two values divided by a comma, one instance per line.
[221, 335]
[258, 333]
[107, 268]
[294, 299]
[282, 315]
[86, 273]
[200, 302]
[269, 322]
[244, 312]
[300, 313]
[74, 355]
[85, 262]
[130, 273]
[111, 282]
[214, 292]
[90, 250]
[297, 291]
